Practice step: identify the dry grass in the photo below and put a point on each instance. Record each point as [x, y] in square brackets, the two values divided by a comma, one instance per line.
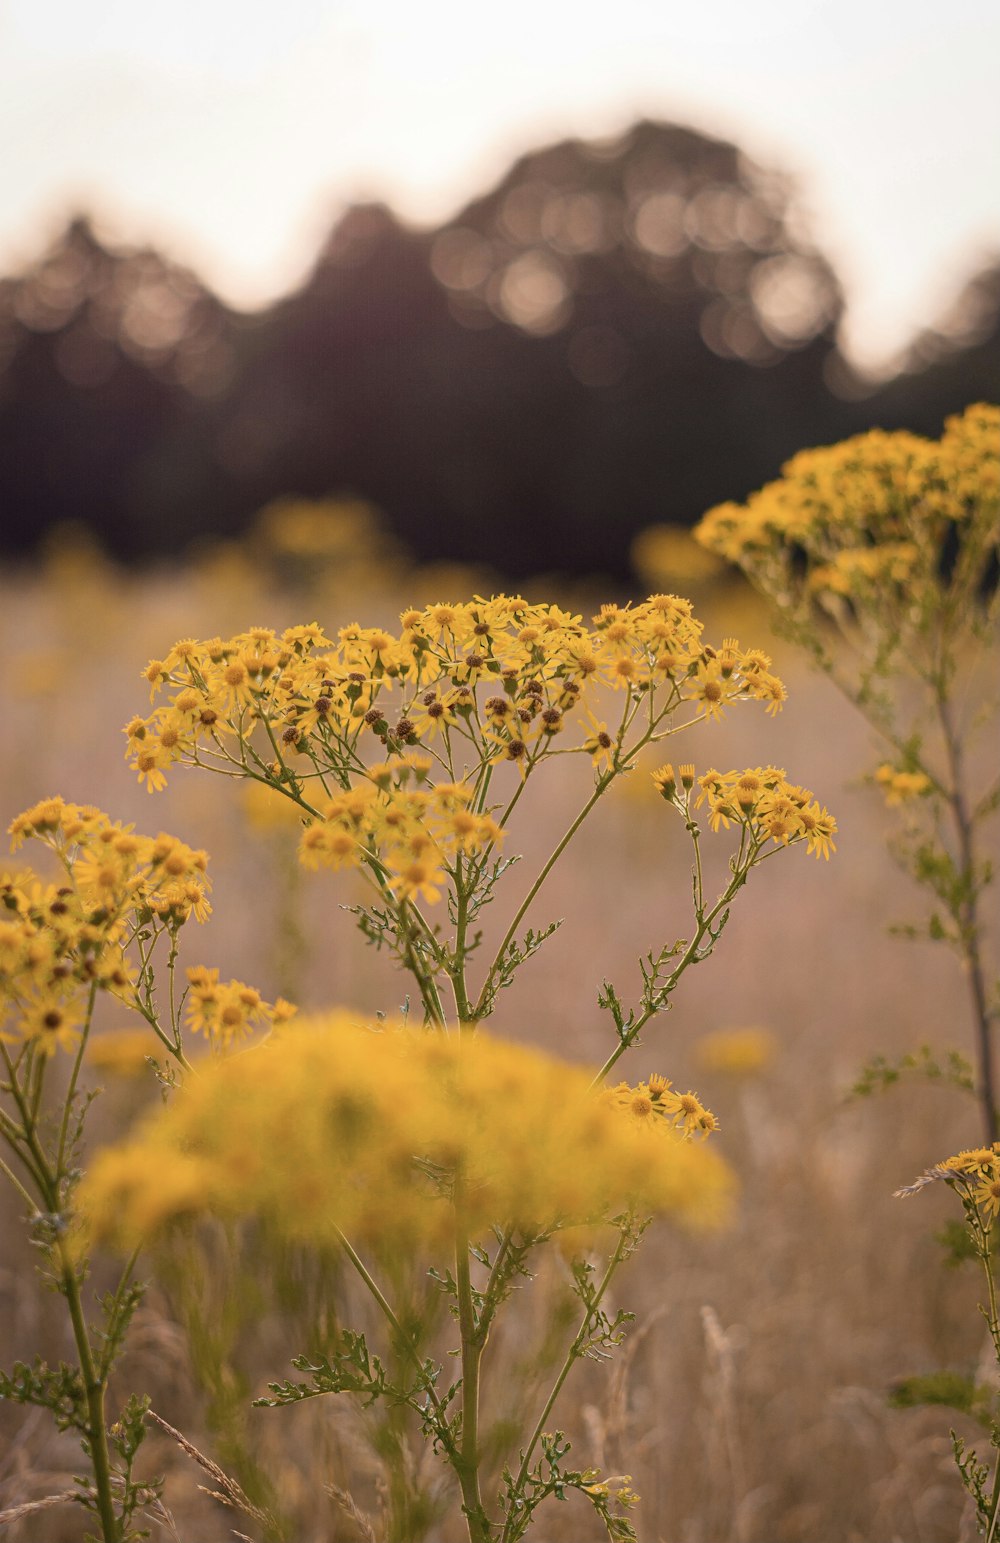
[750, 1404]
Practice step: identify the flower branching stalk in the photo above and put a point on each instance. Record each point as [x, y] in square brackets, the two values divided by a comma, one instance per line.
[76, 1397]
[407, 759]
[881, 557]
[117, 900]
[974, 1176]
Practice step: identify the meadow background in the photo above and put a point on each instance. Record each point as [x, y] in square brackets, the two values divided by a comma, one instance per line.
[527, 286]
[751, 1400]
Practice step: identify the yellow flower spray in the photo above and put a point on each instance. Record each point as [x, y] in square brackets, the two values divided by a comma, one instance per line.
[880, 556]
[404, 757]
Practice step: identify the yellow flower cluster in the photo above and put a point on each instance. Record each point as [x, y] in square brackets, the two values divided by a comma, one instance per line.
[974, 1161]
[380, 739]
[872, 517]
[760, 800]
[57, 940]
[227, 1012]
[655, 1101]
[900, 786]
[975, 1171]
[328, 1127]
[412, 829]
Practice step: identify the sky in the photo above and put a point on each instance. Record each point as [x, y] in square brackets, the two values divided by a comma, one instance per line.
[230, 133]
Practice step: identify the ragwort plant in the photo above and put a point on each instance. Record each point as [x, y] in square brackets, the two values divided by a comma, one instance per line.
[880, 556]
[115, 902]
[974, 1176]
[406, 756]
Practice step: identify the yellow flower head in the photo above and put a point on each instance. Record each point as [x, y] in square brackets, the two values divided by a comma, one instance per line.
[331, 1127]
[737, 1052]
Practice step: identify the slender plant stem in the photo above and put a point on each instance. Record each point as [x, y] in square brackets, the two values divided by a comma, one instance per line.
[94, 1387]
[405, 1342]
[572, 1355]
[982, 1238]
[25, 1196]
[74, 1077]
[108, 1355]
[691, 955]
[467, 1458]
[968, 917]
[603, 783]
[467, 1465]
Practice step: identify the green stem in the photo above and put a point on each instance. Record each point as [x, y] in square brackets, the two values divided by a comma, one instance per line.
[74, 1077]
[467, 1464]
[405, 1343]
[27, 1145]
[603, 783]
[691, 955]
[94, 1387]
[968, 918]
[572, 1355]
[12, 1176]
[108, 1355]
[982, 1237]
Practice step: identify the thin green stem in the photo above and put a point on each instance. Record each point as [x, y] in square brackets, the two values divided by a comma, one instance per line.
[693, 954]
[982, 1239]
[94, 1387]
[107, 1356]
[603, 783]
[968, 918]
[406, 1345]
[73, 1079]
[466, 1462]
[27, 1145]
[572, 1355]
[49, 1184]
[25, 1196]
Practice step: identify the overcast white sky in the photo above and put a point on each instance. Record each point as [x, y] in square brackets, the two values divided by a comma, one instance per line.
[230, 132]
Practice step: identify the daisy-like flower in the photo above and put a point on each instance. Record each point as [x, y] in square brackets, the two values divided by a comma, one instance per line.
[418, 879]
[987, 1193]
[709, 688]
[52, 1023]
[600, 744]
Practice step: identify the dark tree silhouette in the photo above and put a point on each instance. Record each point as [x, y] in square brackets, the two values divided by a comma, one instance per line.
[108, 364]
[619, 333]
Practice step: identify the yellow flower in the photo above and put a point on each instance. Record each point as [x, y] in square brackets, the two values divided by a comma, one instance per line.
[418, 879]
[227, 1012]
[987, 1193]
[600, 744]
[709, 688]
[901, 786]
[122, 1053]
[664, 781]
[52, 1022]
[318, 1129]
[738, 1052]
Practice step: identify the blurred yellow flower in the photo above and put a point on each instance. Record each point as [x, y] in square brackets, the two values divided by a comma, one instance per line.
[737, 1052]
[122, 1053]
[330, 1127]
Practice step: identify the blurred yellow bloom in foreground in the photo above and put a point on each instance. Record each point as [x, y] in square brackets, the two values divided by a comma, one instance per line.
[329, 1127]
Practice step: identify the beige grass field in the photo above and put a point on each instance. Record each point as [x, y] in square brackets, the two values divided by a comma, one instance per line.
[750, 1403]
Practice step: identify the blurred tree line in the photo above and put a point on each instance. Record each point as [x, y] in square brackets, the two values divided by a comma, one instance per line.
[619, 333]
